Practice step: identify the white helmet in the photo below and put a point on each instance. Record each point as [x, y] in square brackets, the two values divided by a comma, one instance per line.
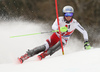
[68, 9]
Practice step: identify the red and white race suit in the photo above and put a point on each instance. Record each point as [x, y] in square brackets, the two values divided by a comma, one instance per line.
[55, 37]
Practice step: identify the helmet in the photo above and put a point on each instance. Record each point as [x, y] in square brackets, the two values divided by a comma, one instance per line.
[68, 9]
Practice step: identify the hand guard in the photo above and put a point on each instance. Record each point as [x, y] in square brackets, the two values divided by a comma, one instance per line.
[63, 29]
[87, 45]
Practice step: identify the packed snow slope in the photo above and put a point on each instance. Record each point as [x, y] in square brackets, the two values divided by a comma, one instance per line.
[11, 48]
[83, 61]
[75, 58]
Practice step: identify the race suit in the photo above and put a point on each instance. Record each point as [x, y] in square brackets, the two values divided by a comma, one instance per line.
[55, 37]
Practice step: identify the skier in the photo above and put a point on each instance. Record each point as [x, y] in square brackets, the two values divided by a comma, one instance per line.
[67, 26]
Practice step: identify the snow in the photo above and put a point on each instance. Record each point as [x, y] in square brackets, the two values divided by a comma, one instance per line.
[11, 48]
[83, 61]
[75, 58]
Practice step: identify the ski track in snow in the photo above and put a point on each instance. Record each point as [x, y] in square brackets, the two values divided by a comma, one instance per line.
[11, 48]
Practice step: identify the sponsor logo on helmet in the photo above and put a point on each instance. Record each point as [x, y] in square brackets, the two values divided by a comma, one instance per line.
[68, 9]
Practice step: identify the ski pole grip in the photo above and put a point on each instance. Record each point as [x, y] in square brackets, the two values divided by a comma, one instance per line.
[63, 29]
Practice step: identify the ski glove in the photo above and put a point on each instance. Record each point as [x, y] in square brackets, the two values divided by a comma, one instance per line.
[63, 29]
[87, 45]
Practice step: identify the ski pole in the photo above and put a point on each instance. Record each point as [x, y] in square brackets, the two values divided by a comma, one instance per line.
[34, 34]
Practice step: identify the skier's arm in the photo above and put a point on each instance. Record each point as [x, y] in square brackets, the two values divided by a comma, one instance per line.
[83, 31]
[55, 27]
[85, 35]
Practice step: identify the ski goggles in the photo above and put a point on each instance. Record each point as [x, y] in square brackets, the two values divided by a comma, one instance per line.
[68, 14]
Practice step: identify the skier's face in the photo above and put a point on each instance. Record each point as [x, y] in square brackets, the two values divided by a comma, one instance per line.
[68, 18]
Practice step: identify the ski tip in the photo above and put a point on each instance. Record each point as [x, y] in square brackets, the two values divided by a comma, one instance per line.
[39, 57]
[20, 60]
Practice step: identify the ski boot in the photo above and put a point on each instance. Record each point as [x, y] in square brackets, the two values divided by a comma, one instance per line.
[42, 55]
[50, 51]
[32, 52]
[22, 58]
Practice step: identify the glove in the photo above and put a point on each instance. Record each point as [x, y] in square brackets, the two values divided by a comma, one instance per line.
[87, 45]
[63, 29]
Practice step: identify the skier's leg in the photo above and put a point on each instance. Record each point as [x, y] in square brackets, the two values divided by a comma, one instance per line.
[36, 50]
[50, 51]
[32, 52]
[50, 43]
[56, 47]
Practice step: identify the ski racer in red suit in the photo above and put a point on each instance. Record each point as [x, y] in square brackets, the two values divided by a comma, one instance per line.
[53, 44]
